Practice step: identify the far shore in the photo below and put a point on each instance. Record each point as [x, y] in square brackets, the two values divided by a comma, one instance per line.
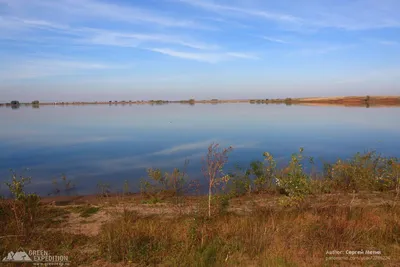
[367, 101]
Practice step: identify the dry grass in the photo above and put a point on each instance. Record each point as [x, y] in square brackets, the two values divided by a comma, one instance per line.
[252, 231]
[263, 237]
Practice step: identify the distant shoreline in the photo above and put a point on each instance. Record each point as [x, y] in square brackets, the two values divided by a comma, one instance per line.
[313, 101]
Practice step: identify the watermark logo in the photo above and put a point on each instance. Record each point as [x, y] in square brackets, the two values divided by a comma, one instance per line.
[36, 257]
[355, 255]
[19, 256]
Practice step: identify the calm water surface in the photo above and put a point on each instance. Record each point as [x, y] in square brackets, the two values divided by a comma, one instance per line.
[110, 144]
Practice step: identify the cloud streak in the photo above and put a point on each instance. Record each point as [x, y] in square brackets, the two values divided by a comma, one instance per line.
[275, 40]
[312, 15]
[40, 68]
[225, 9]
[82, 9]
[203, 57]
[126, 39]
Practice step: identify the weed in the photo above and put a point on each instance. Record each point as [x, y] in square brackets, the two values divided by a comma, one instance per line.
[104, 189]
[126, 187]
[66, 184]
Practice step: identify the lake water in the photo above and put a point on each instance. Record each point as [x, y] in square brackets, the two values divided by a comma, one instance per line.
[110, 144]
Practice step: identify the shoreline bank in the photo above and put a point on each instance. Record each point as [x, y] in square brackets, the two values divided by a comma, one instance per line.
[341, 100]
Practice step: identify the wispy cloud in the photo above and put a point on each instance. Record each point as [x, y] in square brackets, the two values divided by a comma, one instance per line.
[82, 9]
[98, 36]
[355, 15]
[387, 74]
[39, 68]
[90, 39]
[225, 9]
[203, 57]
[321, 50]
[387, 42]
[309, 15]
[231, 23]
[126, 39]
[275, 40]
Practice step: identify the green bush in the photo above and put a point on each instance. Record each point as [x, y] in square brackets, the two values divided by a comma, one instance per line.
[16, 185]
[293, 181]
[264, 173]
[367, 171]
[239, 182]
[163, 184]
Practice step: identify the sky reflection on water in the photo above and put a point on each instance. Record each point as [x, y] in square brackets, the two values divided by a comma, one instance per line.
[92, 144]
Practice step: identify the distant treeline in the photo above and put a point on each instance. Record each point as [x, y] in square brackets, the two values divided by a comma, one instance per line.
[351, 100]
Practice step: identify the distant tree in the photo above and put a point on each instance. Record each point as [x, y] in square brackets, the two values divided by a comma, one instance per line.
[288, 101]
[367, 98]
[15, 104]
[35, 102]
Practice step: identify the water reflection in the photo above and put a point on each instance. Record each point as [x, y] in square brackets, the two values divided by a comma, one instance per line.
[113, 143]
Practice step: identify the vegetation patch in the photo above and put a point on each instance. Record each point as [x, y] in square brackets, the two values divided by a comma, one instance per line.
[260, 215]
[85, 211]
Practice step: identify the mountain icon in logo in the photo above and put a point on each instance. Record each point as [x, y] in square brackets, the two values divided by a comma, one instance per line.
[19, 256]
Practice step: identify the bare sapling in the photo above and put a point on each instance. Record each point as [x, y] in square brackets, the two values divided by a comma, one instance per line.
[212, 169]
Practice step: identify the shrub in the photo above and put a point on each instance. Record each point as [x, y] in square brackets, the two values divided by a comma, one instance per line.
[293, 181]
[367, 171]
[239, 182]
[264, 173]
[21, 212]
[16, 185]
[161, 184]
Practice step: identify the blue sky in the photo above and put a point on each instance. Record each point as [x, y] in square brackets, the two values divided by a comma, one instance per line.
[178, 49]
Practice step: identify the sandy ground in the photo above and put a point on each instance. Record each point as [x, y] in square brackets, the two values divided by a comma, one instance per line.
[114, 205]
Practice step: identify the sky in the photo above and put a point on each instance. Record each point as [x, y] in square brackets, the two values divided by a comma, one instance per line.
[94, 50]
